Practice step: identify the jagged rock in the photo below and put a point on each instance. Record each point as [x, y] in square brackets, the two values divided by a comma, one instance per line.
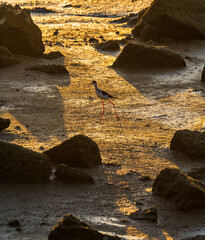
[18, 32]
[203, 75]
[7, 59]
[4, 123]
[111, 45]
[53, 55]
[148, 214]
[79, 151]
[68, 174]
[137, 55]
[175, 186]
[174, 19]
[191, 143]
[71, 228]
[49, 68]
[21, 165]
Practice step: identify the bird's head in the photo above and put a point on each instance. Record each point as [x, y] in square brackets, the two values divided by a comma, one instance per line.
[94, 83]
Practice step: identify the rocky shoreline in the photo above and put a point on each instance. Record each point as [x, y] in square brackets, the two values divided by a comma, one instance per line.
[77, 159]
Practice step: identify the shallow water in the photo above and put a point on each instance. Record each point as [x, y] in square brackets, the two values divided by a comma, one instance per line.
[152, 105]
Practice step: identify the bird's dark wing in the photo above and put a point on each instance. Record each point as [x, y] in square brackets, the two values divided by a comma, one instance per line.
[107, 94]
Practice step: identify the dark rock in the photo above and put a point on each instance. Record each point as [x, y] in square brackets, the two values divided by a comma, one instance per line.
[175, 186]
[72, 6]
[203, 75]
[68, 174]
[111, 45]
[136, 55]
[18, 32]
[4, 123]
[148, 214]
[144, 178]
[49, 69]
[14, 223]
[42, 10]
[149, 32]
[21, 165]
[93, 40]
[79, 151]
[133, 21]
[56, 33]
[191, 143]
[53, 55]
[70, 228]
[197, 173]
[7, 59]
[197, 237]
[125, 19]
[175, 19]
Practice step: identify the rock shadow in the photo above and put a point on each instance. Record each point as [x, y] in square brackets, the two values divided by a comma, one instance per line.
[34, 98]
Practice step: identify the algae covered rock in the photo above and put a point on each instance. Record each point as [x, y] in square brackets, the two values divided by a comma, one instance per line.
[138, 55]
[18, 32]
[180, 20]
[175, 186]
[79, 151]
[72, 228]
[21, 165]
[190, 143]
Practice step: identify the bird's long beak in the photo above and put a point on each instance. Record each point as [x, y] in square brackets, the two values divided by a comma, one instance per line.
[91, 83]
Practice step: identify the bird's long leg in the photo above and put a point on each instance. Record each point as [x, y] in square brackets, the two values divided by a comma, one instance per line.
[102, 111]
[114, 108]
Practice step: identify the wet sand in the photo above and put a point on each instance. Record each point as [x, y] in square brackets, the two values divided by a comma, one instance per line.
[152, 104]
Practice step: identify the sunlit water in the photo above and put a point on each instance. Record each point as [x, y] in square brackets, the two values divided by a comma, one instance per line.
[152, 105]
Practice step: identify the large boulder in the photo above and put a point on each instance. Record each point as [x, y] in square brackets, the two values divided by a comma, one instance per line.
[138, 55]
[79, 151]
[67, 174]
[185, 192]
[191, 143]
[4, 123]
[7, 59]
[18, 32]
[184, 19]
[21, 165]
[71, 228]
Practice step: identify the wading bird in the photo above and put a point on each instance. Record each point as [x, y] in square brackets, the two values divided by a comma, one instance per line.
[104, 96]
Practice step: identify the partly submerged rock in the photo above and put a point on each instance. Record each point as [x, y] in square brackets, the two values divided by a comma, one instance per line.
[21, 165]
[18, 32]
[175, 19]
[4, 123]
[191, 143]
[71, 228]
[68, 174]
[53, 55]
[79, 151]
[137, 55]
[111, 45]
[203, 75]
[147, 214]
[185, 192]
[49, 68]
[7, 59]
